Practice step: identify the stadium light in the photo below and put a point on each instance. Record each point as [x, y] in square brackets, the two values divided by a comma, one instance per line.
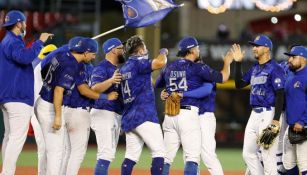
[274, 20]
[297, 17]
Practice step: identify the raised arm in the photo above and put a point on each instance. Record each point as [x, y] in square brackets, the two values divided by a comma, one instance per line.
[238, 57]
[160, 60]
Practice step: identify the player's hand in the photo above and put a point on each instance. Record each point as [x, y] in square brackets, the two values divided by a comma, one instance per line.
[228, 58]
[44, 36]
[116, 78]
[237, 54]
[57, 123]
[112, 95]
[163, 51]
[164, 95]
[297, 127]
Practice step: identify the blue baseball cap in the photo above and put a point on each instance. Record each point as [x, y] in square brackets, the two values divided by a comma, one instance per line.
[187, 43]
[262, 40]
[110, 44]
[82, 44]
[73, 42]
[12, 17]
[297, 51]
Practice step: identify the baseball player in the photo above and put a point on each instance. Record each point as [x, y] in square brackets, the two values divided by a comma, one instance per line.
[105, 115]
[181, 76]
[77, 119]
[294, 156]
[207, 119]
[17, 93]
[283, 126]
[59, 80]
[266, 98]
[38, 82]
[139, 119]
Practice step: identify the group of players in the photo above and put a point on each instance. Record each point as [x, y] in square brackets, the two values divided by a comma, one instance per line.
[118, 94]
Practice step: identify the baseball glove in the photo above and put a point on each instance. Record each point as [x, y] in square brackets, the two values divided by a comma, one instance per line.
[172, 104]
[266, 139]
[297, 137]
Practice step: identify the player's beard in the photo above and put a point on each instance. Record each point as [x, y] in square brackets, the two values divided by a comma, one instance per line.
[293, 68]
[197, 59]
[121, 59]
[23, 31]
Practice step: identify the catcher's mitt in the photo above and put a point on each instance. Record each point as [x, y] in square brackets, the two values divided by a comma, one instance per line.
[297, 137]
[172, 104]
[266, 139]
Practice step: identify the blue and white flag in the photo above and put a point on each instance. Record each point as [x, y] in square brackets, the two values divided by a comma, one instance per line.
[141, 13]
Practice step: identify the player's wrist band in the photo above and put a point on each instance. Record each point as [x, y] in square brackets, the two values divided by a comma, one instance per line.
[103, 96]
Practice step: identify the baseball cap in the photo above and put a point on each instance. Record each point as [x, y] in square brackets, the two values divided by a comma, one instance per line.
[187, 43]
[262, 40]
[46, 50]
[297, 51]
[12, 17]
[110, 44]
[82, 44]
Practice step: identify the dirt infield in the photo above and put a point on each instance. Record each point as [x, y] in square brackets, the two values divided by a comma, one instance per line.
[88, 171]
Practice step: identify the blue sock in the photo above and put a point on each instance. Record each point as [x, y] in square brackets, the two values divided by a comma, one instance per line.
[190, 168]
[157, 166]
[166, 168]
[293, 171]
[102, 167]
[127, 167]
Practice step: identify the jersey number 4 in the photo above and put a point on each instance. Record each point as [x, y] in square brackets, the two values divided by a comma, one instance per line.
[125, 88]
[182, 85]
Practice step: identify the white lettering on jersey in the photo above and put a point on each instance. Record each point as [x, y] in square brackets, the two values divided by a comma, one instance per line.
[258, 80]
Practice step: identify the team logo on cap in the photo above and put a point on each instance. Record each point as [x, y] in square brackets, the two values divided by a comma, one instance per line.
[78, 44]
[7, 18]
[297, 84]
[257, 38]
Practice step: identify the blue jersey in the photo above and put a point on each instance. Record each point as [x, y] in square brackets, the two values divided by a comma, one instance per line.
[137, 93]
[285, 66]
[62, 71]
[103, 71]
[296, 98]
[265, 80]
[207, 104]
[48, 57]
[75, 99]
[16, 71]
[185, 75]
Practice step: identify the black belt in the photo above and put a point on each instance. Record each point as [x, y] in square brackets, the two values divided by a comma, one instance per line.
[185, 107]
[262, 109]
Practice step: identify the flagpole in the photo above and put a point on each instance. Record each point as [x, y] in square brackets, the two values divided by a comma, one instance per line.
[107, 32]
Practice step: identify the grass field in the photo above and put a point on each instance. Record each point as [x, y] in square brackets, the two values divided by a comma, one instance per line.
[231, 160]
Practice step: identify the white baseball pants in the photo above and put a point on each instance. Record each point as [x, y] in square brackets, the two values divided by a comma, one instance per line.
[149, 133]
[294, 154]
[208, 143]
[41, 147]
[256, 123]
[16, 117]
[106, 125]
[54, 140]
[77, 131]
[185, 129]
